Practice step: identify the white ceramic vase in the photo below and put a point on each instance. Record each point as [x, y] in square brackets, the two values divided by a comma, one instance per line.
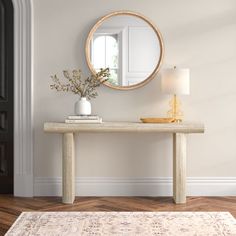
[83, 107]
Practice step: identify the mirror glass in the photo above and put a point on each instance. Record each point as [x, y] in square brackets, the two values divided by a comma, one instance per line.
[129, 46]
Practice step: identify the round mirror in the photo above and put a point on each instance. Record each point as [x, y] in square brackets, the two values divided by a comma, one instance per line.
[129, 45]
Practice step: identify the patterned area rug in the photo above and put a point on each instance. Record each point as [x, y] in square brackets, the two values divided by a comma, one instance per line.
[124, 223]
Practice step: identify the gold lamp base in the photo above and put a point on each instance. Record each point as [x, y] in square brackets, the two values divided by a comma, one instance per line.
[175, 112]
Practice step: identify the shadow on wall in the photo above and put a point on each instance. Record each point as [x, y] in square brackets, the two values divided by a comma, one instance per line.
[123, 154]
[191, 29]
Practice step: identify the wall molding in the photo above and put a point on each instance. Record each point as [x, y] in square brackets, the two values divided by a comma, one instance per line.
[23, 99]
[156, 186]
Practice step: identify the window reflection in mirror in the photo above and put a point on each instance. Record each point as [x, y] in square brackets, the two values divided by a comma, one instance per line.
[105, 54]
[127, 45]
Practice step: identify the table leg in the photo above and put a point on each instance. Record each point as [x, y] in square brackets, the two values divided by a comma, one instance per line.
[179, 167]
[68, 169]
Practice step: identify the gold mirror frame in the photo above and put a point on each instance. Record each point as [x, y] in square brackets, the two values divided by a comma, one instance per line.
[156, 30]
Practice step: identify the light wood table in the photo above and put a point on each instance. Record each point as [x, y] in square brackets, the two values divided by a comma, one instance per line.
[179, 131]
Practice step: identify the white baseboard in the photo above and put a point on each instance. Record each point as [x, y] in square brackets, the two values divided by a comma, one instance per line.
[157, 186]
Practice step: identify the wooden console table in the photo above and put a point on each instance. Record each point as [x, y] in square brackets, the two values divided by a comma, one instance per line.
[179, 131]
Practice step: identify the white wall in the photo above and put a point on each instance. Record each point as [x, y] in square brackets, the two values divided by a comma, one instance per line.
[200, 35]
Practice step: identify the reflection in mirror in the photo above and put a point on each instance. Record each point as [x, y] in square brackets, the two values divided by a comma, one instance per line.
[105, 54]
[129, 46]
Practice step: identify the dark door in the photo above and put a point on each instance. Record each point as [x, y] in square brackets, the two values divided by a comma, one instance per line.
[6, 96]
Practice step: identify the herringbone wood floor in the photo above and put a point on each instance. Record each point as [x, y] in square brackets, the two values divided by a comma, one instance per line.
[11, 207]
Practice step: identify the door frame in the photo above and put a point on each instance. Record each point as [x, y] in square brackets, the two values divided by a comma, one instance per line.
[23, 98]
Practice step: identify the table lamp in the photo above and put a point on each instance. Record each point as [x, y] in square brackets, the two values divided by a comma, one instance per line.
[175, 81]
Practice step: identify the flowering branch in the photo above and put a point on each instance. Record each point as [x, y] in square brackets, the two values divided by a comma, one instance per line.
[77, 85]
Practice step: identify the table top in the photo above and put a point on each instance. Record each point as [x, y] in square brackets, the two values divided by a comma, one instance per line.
[182, 127]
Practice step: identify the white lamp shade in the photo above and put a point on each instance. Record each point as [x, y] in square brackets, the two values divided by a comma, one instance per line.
[175, 81]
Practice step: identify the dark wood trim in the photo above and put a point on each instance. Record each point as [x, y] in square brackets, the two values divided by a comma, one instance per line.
[6, 95]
